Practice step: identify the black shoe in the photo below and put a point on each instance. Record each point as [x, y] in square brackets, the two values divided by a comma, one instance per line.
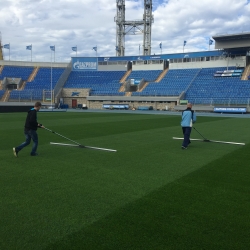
[15, 152]
[182, 147]
[35, 154]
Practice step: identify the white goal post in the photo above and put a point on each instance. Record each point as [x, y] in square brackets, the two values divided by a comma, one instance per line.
[48, 96]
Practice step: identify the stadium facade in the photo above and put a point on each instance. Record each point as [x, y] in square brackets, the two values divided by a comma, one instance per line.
[161, 82]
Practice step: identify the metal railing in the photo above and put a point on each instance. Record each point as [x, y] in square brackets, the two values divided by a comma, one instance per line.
[221, 102]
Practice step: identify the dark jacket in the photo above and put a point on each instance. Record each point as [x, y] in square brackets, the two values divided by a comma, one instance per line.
[31, 120]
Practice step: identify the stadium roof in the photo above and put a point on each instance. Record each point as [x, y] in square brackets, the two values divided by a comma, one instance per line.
[226, 37]
[232, 41]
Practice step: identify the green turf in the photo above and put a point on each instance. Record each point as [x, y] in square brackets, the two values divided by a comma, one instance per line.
[150, 194]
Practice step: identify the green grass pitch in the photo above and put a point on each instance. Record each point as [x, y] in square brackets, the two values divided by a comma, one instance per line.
[148, 195]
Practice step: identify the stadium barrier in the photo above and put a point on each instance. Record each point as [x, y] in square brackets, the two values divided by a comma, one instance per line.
[145, 108]
[230, 110]
[115, 106]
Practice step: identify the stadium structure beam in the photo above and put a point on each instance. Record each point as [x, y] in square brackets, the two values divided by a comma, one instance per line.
[1, 47]
[148, 20]
[120, 29]
[133, 27]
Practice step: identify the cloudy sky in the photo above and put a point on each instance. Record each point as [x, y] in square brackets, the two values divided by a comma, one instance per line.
[90, 23]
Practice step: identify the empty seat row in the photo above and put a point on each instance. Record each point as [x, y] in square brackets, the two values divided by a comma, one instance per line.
[16, 72]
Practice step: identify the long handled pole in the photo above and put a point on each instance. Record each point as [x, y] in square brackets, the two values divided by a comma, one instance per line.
[72, 145]
[200, 134]
[225, 142]
[77, 144]
[63, 137]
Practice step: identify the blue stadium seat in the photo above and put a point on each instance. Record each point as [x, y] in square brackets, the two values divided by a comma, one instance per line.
[16, 72]
[1, 93]
[34, 90]
[173, 84]
[99, 82]
[207, 89]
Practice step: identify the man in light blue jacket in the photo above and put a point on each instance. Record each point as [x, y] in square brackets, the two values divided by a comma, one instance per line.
[188, 118]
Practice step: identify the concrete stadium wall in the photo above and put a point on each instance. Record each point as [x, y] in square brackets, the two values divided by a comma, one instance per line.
[80, 100]
[83, 98]
[68, 96]
[147, 67]
[134, 67]
[135, 104]
[112, 67]
[81, 92]
[240, 62]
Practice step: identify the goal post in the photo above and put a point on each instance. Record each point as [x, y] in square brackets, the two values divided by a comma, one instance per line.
[48, 96]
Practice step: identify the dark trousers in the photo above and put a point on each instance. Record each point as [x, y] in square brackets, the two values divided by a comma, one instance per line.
[186, 133]
[29, 134]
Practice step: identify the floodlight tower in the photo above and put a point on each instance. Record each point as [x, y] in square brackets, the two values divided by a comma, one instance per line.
[148, 20]
[120, 22]
[134, 27]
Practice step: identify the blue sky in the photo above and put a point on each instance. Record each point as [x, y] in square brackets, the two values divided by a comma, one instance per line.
[68, 23]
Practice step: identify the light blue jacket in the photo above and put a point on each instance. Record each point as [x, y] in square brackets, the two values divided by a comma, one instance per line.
[188, 118]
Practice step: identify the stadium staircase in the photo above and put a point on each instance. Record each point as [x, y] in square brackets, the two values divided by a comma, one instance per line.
[162, 75]
[6, 96]
[173, 83]
[190, 84]
[246, 73]
[159, 78]
[128, 94]
[1, 69]
[33, 74]
[21, 87]
[143, 87]
[123, 80]
[30, 79]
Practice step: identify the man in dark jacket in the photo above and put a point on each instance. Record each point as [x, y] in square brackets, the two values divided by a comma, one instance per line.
[30, 128]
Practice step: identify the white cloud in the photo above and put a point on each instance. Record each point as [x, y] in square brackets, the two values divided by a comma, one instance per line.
[87, 23]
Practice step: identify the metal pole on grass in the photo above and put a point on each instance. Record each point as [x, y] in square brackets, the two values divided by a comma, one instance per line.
[63, 136]
[200, 134]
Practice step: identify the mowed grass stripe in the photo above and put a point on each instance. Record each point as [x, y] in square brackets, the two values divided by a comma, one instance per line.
[207, 209]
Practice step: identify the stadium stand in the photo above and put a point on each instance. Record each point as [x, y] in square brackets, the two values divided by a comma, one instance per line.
[16, 72]
[99, 82]
[1, 93]
[34, 90]
[201, 86]
[173, 84]
[207, 89]
[147, 75]
[165, 84]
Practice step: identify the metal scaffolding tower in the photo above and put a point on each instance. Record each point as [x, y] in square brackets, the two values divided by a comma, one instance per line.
[134, 27]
